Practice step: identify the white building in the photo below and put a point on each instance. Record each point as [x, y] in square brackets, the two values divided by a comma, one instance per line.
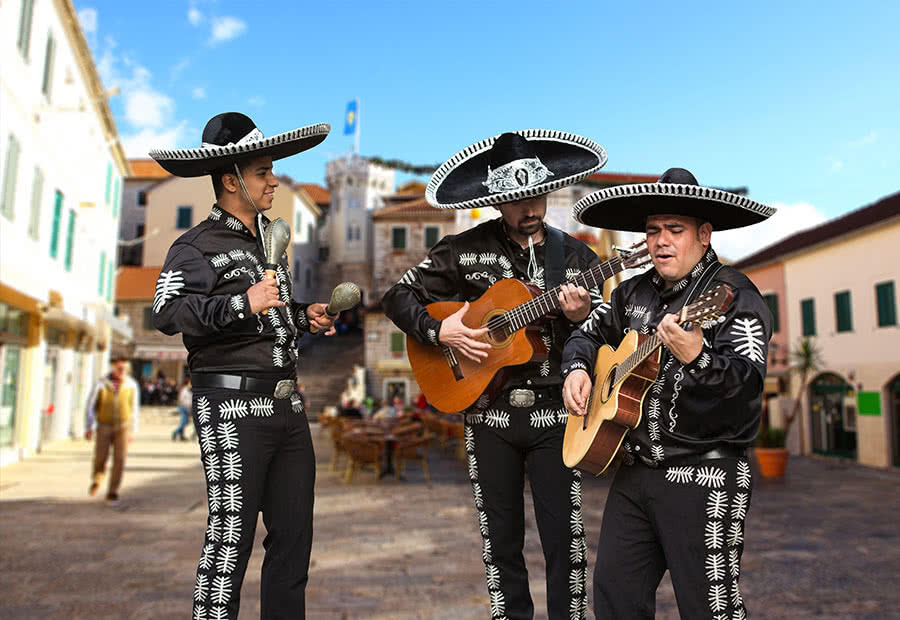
[62, 167]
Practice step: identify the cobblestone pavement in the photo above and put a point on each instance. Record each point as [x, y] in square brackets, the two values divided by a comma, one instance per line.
[823, 543]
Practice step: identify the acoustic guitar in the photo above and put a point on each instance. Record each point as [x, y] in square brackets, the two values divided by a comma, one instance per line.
[619, 384]
[510, 309]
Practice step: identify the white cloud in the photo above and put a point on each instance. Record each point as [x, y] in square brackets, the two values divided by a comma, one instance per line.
[194, 16]
[148, 108]
[139, 144]
[199, 93]
[866, 140]
[256, 101]
[836, 165]
[789, 219]
[226, 28]
[88, 20]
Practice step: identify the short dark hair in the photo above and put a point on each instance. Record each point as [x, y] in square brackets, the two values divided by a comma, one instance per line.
[228, 168]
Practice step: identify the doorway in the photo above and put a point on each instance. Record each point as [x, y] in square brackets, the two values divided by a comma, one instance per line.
[833, 417]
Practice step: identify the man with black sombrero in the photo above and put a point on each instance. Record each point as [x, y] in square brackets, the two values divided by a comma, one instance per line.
[521, 430]
[680, 499]
[240, 330]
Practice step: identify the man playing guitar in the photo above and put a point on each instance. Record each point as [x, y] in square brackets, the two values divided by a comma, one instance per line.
[521, 429]
[680, 500]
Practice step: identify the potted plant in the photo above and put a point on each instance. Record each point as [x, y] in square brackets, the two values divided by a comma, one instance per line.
[771, 450]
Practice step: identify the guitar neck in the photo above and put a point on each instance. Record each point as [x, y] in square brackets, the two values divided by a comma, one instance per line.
[548, 301]
[644, 350]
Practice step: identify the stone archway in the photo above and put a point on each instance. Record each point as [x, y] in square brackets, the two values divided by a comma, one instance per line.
[833, 423]
[893, 403]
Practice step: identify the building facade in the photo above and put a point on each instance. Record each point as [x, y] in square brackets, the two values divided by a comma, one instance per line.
[62, 167]
[145, 173]
[840, 291]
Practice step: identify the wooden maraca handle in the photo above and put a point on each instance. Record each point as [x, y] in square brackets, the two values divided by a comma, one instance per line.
[270, 275]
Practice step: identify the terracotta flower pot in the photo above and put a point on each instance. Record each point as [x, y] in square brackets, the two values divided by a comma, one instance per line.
[772, 461]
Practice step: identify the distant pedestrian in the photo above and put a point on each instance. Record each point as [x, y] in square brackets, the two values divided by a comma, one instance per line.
[185, 395]
[114, 406]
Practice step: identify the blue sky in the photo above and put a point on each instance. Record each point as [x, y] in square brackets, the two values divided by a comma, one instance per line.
[796, 101]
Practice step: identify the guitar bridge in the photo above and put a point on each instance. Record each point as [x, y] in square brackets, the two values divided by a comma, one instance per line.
[453, 362]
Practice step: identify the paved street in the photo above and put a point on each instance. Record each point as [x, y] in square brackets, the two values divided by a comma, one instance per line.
[822, 544]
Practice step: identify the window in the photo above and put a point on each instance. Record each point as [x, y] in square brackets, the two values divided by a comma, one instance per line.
[772, 301]
[184, 217]
[148, 318]
[109, 280]
[808, 311]
[54, 232]
[108, 182]
[842, 311]
[296, 266]
[398, 238]
[118, 188]
[323, 254]
[9, 177]
[37, 191]
[398, 344]
[25, 28]
[102, 273]
[70, 240]
[349, 232]
[298, 223]
[431, 236]
[886, 304]
[142, 198]
[310, 233]
[308, 279]
[139, 231]
[47, 84]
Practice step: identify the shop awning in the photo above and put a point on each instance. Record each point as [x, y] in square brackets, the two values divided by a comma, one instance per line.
[160, 352]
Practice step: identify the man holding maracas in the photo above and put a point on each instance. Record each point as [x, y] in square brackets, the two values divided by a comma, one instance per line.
[229, 293]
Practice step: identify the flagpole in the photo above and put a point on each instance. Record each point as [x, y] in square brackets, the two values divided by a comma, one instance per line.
[357, 126]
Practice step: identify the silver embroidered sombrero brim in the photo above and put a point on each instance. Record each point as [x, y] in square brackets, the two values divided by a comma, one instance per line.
[209, 157]
[550, 160]
[626, 207]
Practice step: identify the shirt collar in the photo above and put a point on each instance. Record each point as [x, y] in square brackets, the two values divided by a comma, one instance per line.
[699, 269]
[221, 217]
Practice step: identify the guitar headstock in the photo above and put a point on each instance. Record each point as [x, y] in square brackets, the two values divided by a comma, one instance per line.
[634, 256]
[710, 307]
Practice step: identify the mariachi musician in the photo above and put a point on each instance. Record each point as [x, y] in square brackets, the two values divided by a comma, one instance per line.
[240, 329]
[520, 431]
[680, 504]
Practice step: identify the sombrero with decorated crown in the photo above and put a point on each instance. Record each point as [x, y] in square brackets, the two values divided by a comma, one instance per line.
[626, 207]
[231, 136]
[513, 166]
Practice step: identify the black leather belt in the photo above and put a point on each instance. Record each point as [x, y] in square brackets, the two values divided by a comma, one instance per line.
[278, 388]
[527, 397]
[693, 459]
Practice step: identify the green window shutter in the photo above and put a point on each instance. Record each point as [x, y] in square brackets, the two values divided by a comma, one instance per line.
[431, 236]
[148, 318]
[772, 302]
[70, 240]
[108, 181]
[183, 220]
[886, 303]
[37, 193]
[25, 28]
[842, 311]
[102, 273]
[47, 84]
[118, 185]
[10, 174]
[298, 223]
[398, 342]
[54, 232]
[808, 310]
[398, 238]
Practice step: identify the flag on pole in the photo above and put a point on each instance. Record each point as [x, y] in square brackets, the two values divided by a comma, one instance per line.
[351, 118]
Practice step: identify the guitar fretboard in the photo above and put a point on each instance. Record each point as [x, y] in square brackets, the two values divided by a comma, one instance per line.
[548, 301]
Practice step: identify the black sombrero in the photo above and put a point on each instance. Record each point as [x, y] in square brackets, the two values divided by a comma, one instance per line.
[231, 136]
[513, 166]
[626, 207]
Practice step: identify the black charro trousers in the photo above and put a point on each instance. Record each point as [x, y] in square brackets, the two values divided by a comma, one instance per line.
[688, 519]
[257, 457]
[503, 444]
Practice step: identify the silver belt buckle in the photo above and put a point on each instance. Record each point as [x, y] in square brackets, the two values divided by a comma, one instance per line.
[284, 388]
[521, 398]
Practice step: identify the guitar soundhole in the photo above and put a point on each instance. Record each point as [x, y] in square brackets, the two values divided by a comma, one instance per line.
[607, 389]
[499, 336]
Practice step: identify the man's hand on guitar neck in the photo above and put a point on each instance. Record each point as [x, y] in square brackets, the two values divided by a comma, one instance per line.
[464, 339]
[576, 391]
[575, 302]
[684, 345]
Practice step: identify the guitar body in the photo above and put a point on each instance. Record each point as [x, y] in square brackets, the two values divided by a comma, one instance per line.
[454, 387]
[591, 442]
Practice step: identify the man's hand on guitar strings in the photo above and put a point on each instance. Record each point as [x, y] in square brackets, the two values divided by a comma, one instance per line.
[576, 391]
[575, 302]
[464, 339]
[684, 345]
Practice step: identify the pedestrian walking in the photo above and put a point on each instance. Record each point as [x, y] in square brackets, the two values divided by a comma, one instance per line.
[184, 408]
